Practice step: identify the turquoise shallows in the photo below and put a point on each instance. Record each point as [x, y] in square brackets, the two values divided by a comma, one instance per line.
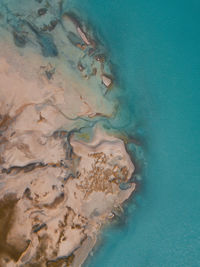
[156, 47]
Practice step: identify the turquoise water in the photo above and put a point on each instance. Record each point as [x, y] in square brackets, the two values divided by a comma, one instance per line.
[155, 46]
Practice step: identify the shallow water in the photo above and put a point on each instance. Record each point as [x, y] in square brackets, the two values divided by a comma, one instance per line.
[155, 46]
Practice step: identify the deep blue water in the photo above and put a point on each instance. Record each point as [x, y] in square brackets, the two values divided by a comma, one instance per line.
[156, 48]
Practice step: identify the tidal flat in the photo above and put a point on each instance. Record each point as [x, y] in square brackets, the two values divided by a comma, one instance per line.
[65, 171]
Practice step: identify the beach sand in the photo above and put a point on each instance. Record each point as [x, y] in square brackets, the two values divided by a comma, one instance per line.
[57, 190]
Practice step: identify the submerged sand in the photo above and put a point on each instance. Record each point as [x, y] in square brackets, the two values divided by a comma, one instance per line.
[58, 183]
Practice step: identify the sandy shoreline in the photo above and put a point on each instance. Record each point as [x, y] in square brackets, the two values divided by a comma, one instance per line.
[57, 188]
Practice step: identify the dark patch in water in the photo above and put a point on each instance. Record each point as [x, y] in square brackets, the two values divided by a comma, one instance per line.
[74, 39]
[46, 42]
[74, 18]
[124, 186]
[51, 26]
[19, 39]
[42, 11]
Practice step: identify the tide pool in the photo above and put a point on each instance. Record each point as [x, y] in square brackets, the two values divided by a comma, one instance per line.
[155, 48]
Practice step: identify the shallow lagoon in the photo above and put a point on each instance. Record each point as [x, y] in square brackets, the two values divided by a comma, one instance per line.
[155, 47]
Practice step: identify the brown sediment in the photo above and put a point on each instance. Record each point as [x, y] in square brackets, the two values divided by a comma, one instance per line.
[7, 215]
[28, 168]
[5, 120]
[59, 199]
[81, 46]
[50, 27]
[3, 140]
[66, 189]
[37, 227]
[98, 178]
[104, 177]
[100, 58]
[60, 134]
[57, 263]
[27, 193]
[41, 250]
[41, 119]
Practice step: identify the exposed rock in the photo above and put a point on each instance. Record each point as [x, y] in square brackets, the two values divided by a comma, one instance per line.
[51, 26]
[42, 11]
[100, 58]
[80, 67]
[83, 36]
[107, 80]
[19, 39]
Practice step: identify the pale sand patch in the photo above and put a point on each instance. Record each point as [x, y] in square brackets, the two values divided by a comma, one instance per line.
[65, 189]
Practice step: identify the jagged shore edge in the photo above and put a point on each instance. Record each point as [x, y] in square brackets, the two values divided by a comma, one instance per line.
[91, 242]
